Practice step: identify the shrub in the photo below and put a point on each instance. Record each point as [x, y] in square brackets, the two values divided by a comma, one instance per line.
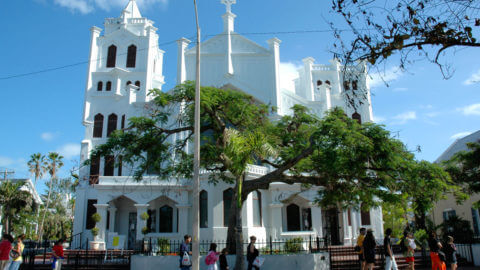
[144, 216]
[145, 230]
[163, 245]
[293, 245]
[95, 231]
[96, 217]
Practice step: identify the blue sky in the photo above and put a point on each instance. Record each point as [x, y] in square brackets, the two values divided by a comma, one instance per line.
[42, 112]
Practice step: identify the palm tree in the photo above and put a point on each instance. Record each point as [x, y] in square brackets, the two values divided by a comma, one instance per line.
[54, 163]
[37, 166]
[14, 200]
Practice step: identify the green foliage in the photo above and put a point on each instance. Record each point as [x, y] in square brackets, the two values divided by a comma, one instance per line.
[294, 245]
[94, 231]
[421, 237]
[15, 203]
[458, 228]
[144, 216]
[96, 217]
[395, 216]
[145, 230]
[163, 245]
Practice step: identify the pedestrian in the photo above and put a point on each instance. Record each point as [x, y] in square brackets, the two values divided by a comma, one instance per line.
[252, 253]
[212, 257]
[5, 248]
[58, 256]
[408, 247]
[369, 245]
[17, 253]
[185, 253]
[451, 253]
[435, 246]
[223, 260]
[359, 248]
[390, 262]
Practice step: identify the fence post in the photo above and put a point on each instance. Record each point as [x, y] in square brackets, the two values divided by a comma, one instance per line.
[318, 243]
[310, 243]
[271, 246]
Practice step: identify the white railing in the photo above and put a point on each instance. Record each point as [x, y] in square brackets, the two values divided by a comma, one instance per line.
[322, 67]
[137, 20]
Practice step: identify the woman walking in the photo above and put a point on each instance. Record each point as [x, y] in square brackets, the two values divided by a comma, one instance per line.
[18, 250]
[451, 253]
[369, 246]
[223, 260]
[252, 253]
[212, 257]
[408, 246]
[435, 246]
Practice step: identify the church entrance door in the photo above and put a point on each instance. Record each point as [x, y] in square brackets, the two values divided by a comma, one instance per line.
[132, 229]
[332, 226]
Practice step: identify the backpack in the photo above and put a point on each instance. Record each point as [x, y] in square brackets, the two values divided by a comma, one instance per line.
[210, 259]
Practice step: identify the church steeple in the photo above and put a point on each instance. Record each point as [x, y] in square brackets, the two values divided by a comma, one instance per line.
[228, 17]
[131, 11]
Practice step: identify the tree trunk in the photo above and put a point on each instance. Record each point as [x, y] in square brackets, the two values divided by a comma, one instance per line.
[232, 223]
[240, 258]
[45, 210]
[420, 220]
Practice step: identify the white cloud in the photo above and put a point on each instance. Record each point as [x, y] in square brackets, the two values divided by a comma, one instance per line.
[400, 89]
[432, 114]
[404, 117]
[473, 109]
[69, 150]
[288, 72]
[460, 135]
[6, 161]
[473, 79]
[379, 119]
[87, 6]
[48, 136]
[387, 76]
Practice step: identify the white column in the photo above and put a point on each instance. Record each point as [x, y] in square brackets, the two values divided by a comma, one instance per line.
[346, 233]
[274, 45]
[183, 226]
[317, 220]
[228, 23]
[182, 46]
[111, 225]
[141, 208]
[354, 225]
[308, 66]
[102, 224]
[276, 222]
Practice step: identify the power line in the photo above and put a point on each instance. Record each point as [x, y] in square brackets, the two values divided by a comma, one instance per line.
[164, 44]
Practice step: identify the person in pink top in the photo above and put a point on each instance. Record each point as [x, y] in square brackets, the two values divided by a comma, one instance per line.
[212, 257]
[5, 248]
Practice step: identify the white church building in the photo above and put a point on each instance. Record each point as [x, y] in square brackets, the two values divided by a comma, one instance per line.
[125, 62]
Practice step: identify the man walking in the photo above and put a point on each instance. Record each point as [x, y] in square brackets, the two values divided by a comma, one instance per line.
[5, 248]
[390, 262]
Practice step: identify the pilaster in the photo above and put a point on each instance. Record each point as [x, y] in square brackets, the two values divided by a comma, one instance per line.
[141, 208]
[183, 226]
[111, 225]
[274, 44]
[182, 45]
[276, 222]
[308, 66]
[102, 224]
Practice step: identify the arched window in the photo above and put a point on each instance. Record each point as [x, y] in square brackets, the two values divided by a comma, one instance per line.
[131, 56]
[123, 122]
[227, 202]
[128, 83]
[109, 166]
[109, 86]
[293, 217]
[112, 124]
[94, 169]
[166, 219]
[257, 208]
[357, 116]
[319, 83]
[346, 85]
[98, 126]
[152, 220]
[355, 85]
[203, 209]
[137, 83]
[99, 86]
[327, 82]
[111, 56]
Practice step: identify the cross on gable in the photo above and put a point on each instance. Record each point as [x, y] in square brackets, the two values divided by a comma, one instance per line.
[228, 4]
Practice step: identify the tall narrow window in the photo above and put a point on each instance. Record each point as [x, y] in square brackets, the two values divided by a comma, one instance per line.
[99, 86]
[166, 219]
[112, 124]
[365, 217]
[357, 116]
[152, 220]
[91, 209]
[447, 214]
[346, 85]
[109, 86]
[227, 202]
[111, 56]
[203, 209]
[98, 126]
[123, 122]
[257, 208]
[128, 83]
[327, 82]
[94, 169]
[137, 83]
[109, 166]
[293, 217]
[120, 164]
[349, 216]
[319, 83]
[131, 56]
[355, 85]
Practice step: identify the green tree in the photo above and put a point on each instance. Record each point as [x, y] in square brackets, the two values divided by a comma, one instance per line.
[14, 201]
[54, 163]
[409, 29]
[354, 163]
[37, 166]
[395, 216]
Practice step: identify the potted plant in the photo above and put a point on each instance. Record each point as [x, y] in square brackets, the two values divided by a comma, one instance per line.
[95, 245]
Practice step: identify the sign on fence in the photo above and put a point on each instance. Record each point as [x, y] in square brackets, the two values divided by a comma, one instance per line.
[116, 242]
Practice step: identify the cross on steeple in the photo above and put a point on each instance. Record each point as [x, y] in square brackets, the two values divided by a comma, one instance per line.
[228, 4]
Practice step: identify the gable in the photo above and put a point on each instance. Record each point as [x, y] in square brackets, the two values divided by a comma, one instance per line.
[240, 44]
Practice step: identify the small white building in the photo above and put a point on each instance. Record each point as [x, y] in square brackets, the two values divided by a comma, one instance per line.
[125, 62]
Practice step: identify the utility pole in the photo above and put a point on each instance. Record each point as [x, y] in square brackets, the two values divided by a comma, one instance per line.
[196, 158]
[5, 175]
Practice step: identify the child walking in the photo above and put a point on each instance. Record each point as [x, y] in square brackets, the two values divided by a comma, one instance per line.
[212, 257]
[223, 260]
